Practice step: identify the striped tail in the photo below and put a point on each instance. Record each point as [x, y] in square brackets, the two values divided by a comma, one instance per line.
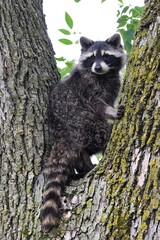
[56, 172]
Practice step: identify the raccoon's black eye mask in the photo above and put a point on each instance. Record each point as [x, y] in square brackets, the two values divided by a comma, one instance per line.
[106, 56]
[88, 62]
[112, 60]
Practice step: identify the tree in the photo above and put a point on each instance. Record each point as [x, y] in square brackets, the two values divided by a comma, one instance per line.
[119, 199]
[28, 72]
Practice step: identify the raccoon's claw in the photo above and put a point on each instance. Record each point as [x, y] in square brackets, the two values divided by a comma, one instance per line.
[120, 112]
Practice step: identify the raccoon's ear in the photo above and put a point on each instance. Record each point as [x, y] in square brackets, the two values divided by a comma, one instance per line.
[85, 43]
[114, 40]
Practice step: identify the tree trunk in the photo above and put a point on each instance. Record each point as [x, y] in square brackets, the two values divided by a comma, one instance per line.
[119, 199]
[27, 73]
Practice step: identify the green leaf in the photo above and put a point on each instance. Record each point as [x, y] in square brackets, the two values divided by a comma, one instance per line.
[64, 71]
[121, 1]
[123, 20]
[129, 26]
[64, 31]
[65, 41]
[127, 46]
[137, 11]
[103, 1]
[123, 33]
[60, 59]
[134, 23]
[118, 13]
[135, 14]
[77, 1]
[125, 9]
[130, 35]
[99, 156]
[69, 64]
[69, 20]
[121, 24]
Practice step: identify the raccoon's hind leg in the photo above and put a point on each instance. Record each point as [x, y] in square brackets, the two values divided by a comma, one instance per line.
[83, 165]
[86, 164]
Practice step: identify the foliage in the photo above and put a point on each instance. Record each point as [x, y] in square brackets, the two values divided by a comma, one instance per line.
[68, 66]
[69, 22]
[128, 19]
[69, 35]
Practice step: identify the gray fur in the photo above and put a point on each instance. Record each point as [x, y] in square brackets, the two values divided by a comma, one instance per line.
[82, 104]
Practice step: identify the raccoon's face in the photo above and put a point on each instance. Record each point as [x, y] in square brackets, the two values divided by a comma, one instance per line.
[102, 56]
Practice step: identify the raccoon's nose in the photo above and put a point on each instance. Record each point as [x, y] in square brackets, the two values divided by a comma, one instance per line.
[98, 68]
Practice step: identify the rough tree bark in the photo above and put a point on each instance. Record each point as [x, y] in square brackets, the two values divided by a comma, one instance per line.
[27, 73]
[119, 199]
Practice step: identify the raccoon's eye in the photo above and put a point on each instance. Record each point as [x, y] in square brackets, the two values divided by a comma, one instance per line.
[106, 56]
[92, 57]
[88, 62]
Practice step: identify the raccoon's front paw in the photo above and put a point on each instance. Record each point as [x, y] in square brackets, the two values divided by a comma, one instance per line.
[120, 112]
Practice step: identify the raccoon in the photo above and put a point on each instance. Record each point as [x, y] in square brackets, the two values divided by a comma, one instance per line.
[82, 105]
